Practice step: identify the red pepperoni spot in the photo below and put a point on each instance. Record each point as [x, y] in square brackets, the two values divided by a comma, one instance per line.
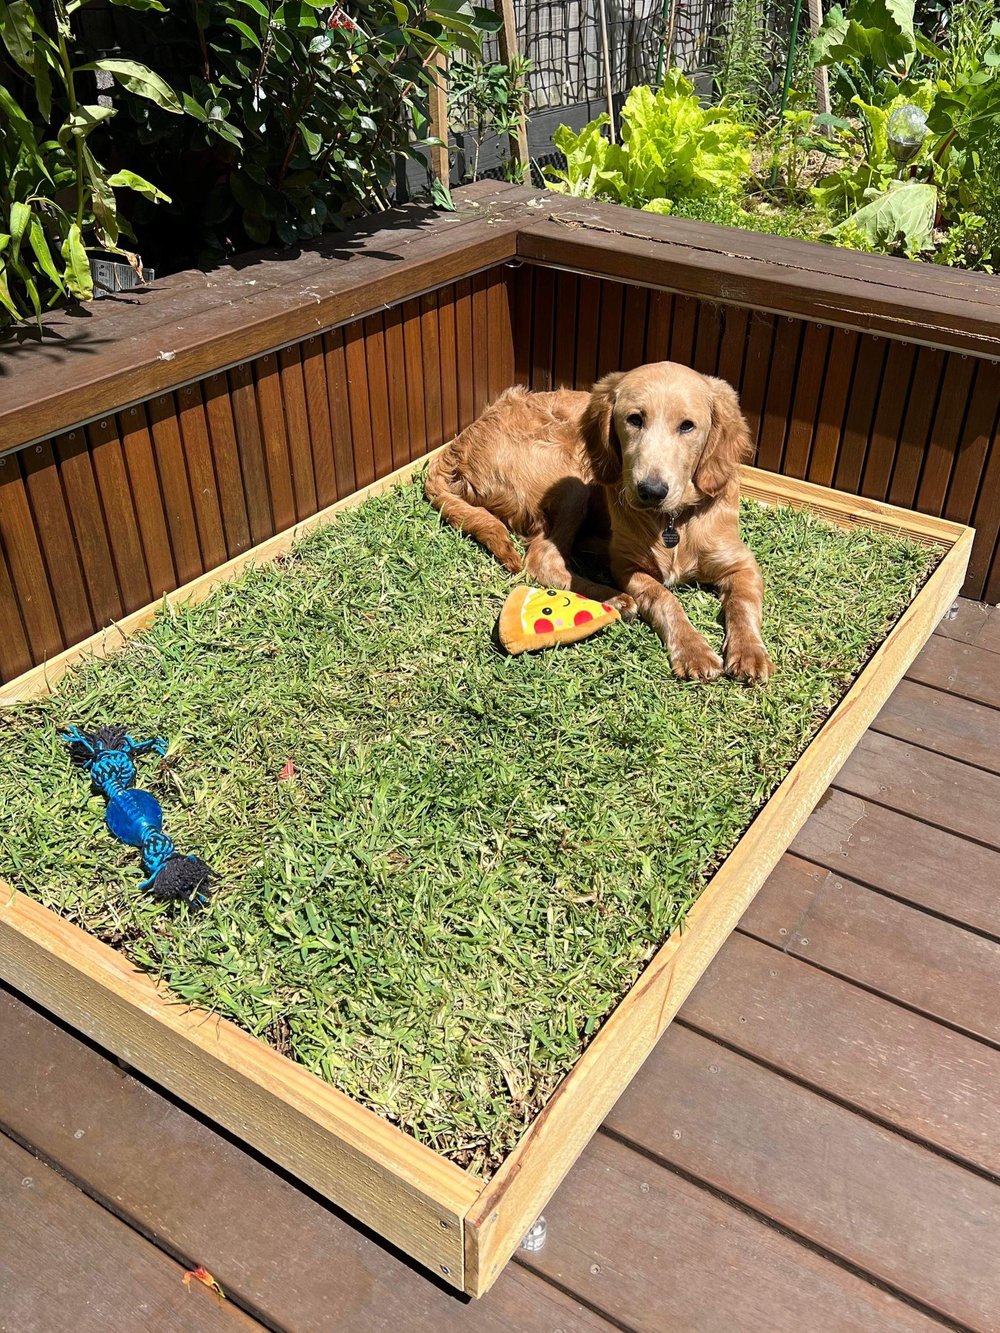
[544, 627]
[606, 607]
[582, 617]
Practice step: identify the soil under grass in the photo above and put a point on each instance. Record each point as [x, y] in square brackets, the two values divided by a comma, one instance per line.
[477, 854]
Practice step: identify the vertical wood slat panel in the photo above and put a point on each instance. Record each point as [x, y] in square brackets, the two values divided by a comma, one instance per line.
[430, 345]
[635, 314]
[984, 564]
[521, 292]
[567, 298]
[272, 424]
[480, 340]
[395, 369]
[119, 513]
[808, 393]
[733, 344]
[708, 340]
[318, 411]
[778, 398]
[414, 356]
[756, 370]
[15, 654]
[77, 474]
[844, 349]
[587, 331]
[358, 405]
[378, 395]
[335, 358]
[542, 332]
[55, 531]
[609, 333]
[501, 358]
[250, 445]
[946, 433]
[293, 401]
[889, 415]
[449, 362]
[521, 311]
[860, 414]
[201, 471]
[980, 426]
[916, 426]
[137, 447]
[684, 330]
[225, 454]
[658, 321]
[26, 564]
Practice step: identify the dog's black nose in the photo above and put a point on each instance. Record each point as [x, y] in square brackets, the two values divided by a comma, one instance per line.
[652, 492]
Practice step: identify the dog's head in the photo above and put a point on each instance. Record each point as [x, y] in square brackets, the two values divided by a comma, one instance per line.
[665, 435]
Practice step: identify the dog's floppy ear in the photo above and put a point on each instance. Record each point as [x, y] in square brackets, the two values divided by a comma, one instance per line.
[598, 428]
[728, 444]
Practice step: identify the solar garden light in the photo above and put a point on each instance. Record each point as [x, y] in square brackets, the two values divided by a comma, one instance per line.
[534, 1239]
[906, 131]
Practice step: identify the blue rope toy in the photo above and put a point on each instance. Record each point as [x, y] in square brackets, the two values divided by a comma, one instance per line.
[133, 815]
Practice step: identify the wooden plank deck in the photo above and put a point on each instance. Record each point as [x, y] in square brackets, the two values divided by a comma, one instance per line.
[813, 1144]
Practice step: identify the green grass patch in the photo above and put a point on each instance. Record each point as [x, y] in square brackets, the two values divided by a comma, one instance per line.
[478, 854]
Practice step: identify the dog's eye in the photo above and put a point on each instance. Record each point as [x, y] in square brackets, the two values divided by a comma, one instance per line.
[686, 427]
[635, 419]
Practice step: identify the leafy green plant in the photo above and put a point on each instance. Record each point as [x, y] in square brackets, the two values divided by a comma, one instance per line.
[743, 75]
[298, 112]
[487, 98]
[671, 148]
[898, 219]
[967, 244]
[57, 199]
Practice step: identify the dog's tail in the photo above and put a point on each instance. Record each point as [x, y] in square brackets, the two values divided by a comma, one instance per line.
[447, 493]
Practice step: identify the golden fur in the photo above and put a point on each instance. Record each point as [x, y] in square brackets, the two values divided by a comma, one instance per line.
[647, 447]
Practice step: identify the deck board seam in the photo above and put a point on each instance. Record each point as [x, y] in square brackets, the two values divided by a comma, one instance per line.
[895, 1000]
[836, 1099]
[566, 1290]
[919, 819]
[954, 694]
[748, 1210]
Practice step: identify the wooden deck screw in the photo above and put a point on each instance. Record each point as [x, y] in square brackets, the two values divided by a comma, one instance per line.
[536, 1236]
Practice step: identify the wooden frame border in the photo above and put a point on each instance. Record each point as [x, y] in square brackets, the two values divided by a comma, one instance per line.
[455, 1225]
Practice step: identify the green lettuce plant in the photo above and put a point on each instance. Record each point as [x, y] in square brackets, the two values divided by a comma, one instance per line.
[671, 148]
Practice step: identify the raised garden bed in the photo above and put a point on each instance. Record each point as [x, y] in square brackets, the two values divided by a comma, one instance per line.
[454, 1220]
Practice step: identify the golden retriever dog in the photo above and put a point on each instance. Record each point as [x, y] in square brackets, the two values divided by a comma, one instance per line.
[651, 458]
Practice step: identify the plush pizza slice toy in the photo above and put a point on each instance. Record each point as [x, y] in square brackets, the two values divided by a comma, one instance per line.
[543, 617]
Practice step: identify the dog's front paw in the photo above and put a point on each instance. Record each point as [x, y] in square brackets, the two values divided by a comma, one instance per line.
[693, 659]
[624, 605]
[747, 659]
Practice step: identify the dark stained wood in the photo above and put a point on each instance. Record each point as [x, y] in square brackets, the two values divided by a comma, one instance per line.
[522, 289]
[941, 970]
[568, 312]
[732, 347]
[709, 338]
[463, 335]
[378, 395]
[360, 408]
[658, 324]
[119, 512]
[980, 430]
[448, 360]
[480, 347]
[832, 413]
[884, 441]
[973, 623]
[431, 345]
[169, 453]
[67, 1263]
[395, 369]
[917, 425]
[861, 405]
[928, 786]
[293, 400]
[967, 670]
[588, 326]
[609, 331]
[320, 430]
[542, 331]
[683, 329]
[937, 871]
[831, 1176]
[250, 442]
[808, 388]
[137, 446]
[15, 654]
[946, 723]
[276, 457]
[778, 399]
[501, 347]
[19, 540]
[340, 424]
[905, 1070]
[291, 1258]
[947, 433]
[984, 563]
[662, 1254]
[634, 313]
[756, 372]
[55, 533]
[201, 474]
[76, 472]
[415, 377]
[225, 454]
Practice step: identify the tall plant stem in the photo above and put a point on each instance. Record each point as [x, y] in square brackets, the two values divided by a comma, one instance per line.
[62, 28]
[787, 82]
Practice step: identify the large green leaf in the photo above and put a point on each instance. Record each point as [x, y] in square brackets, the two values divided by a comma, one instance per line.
[16, 31]
[83, 121]
[130, 181]
[139, 79]
[43, 255]
[903, 215]
[880, 31]
[78, 275]
[20, 220]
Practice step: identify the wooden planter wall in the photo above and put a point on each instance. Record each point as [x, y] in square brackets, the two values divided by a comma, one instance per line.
[218, 411]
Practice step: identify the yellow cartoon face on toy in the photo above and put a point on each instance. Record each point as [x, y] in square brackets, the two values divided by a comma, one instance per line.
[543, 617]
